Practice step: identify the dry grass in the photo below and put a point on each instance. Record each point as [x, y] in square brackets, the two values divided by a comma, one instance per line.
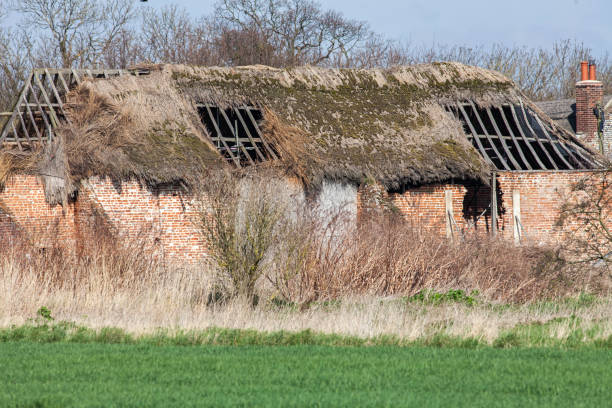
[126, 285]
[177, 299]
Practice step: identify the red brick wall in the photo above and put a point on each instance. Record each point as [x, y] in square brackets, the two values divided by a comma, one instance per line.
[166, 215]
[24, 205]
[541, 193]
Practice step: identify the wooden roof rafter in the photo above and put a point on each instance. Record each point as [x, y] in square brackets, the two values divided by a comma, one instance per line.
[238, 138]
[538, 146]
[41, 104]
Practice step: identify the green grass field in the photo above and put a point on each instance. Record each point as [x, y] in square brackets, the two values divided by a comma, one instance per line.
[65, 374]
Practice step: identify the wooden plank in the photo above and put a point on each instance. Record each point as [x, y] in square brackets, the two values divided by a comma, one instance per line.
[4, 131]
[516, 216]
[53, 116]
[514, 139]
[586, 158]
[248, 132]
[214, 122]
[448, 208]
[44, 115]
[553, 144]
[484, 129]
[260, 133]
[502, 140]
[76, 77]
[16, 136]
[63, 82]
[479, 145]
[494, 204]
[520, 128]
[538, 141]
[34, 125]
[24, 127]
[56, 94]
[233, 139]
[235, 132]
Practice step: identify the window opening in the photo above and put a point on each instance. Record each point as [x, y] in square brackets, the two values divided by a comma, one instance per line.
[512, 137]
[236, 134]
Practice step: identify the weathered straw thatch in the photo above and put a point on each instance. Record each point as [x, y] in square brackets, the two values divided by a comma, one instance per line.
[337, 124]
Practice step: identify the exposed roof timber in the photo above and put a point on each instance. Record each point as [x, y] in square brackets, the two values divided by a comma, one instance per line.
[554, 145]
[248, 132]
[502, 140]
[238, 141]
[235, 131]
[259, 133]
[473, 130]
[486, 132]
[537, 138]
[40, 105]
[514, 139]
[222, 139]
[538, 141]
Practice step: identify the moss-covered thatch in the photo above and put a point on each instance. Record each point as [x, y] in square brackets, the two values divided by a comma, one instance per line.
[338, 124]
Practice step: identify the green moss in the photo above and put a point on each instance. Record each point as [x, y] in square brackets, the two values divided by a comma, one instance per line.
[357, 124]
[169, 153]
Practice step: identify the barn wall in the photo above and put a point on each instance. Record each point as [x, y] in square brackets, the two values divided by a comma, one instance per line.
[541, 195]
[23, 206]
[166, 216]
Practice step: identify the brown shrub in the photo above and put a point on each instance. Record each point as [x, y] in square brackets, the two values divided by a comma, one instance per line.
[387, 256]
[99, 251]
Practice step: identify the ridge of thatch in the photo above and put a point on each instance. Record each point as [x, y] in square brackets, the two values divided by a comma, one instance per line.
[389, 125]
[337, 124]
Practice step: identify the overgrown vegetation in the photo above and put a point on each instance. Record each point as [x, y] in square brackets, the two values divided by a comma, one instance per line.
[586, 216]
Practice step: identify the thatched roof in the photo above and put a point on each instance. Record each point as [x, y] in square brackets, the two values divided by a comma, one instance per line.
[337, 124]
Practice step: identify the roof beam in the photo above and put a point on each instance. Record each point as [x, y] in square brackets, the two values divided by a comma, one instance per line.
[227, 148]
[538, 141]
[260, 133]
[235, 132]
[502, 139]
[248, 132]
[553, 144]
[514, 139]
[520, 129]
[12, 118]
[478, 143]
[484, 129]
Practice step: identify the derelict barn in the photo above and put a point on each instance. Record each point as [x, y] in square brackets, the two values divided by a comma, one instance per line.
[455, 149]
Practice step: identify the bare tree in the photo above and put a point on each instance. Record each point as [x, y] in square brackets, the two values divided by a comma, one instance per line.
[171, 35]
[80, 30]
[586, 215]
[300, 30]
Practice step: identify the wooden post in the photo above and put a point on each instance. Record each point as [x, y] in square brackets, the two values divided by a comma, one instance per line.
[493, 204]
[516, 215]
[448, 207]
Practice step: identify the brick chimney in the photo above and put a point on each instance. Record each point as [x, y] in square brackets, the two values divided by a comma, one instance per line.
[589, 93]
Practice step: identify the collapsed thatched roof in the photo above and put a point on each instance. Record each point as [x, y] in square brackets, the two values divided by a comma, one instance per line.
[340, 124]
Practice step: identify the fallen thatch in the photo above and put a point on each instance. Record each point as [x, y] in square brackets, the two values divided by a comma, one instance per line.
[336, 124]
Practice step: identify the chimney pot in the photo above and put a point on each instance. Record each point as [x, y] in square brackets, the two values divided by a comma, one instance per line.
[584, 70]
[589, 93]
[592, 72]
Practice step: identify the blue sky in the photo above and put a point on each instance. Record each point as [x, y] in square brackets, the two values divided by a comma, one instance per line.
[471, 22]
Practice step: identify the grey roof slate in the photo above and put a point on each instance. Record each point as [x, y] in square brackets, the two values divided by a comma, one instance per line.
[563, 111]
